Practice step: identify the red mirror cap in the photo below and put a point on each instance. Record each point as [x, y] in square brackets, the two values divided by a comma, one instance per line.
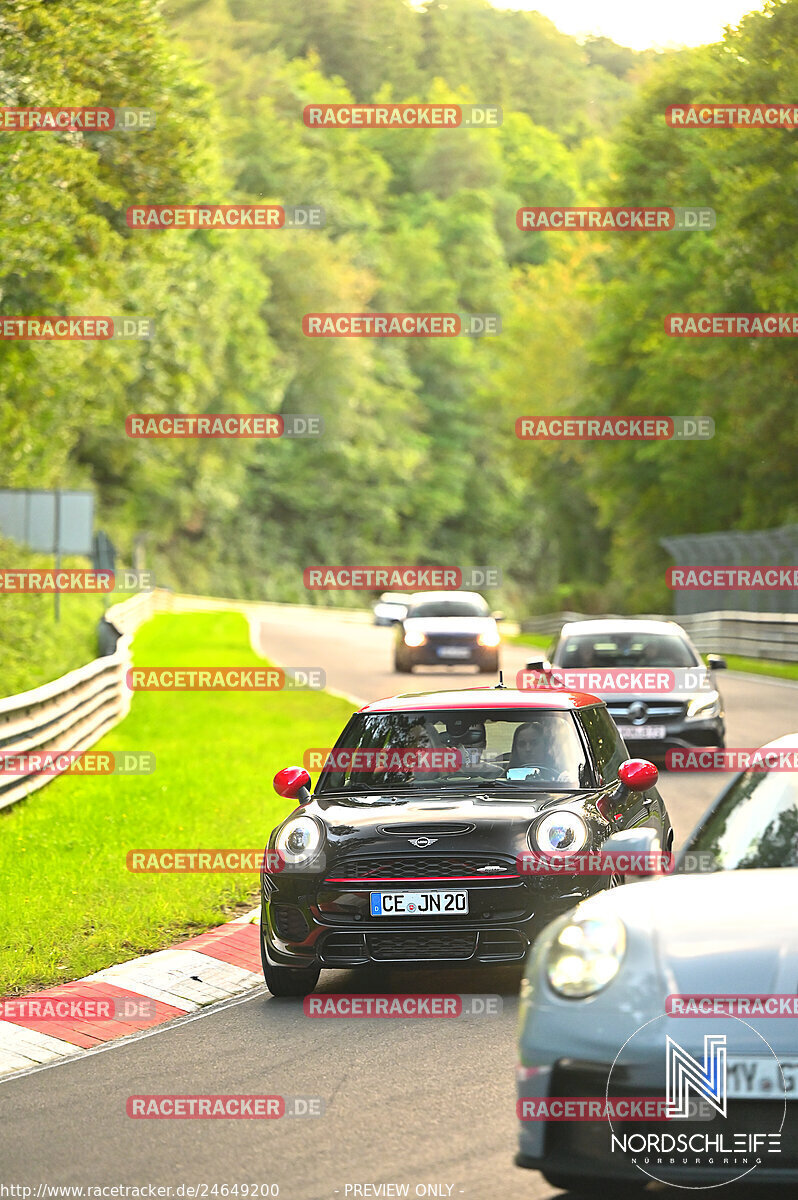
[638, 774]
[290, 782]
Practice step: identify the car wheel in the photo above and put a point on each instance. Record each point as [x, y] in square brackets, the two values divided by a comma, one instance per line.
[402, 667]
[579, 1186]
[288, 981]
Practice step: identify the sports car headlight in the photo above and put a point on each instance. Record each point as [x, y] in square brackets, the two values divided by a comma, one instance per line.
[704, 706]
[413, 638]
[559, 830]
[299, 840]
[491, 638]
[586, 956]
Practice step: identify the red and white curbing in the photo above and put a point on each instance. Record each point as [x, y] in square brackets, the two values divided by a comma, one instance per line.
[203, 970]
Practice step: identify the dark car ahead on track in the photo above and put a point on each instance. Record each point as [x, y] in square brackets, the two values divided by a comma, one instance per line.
[389, 865]
[447, 629]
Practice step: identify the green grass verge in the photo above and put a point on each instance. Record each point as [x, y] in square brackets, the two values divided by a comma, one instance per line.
[761, 666]
[528, 639]
[70, 906]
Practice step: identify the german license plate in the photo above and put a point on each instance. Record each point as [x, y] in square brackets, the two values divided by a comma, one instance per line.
[418, 904]
[639, 733]
[760, 1079]
[454, 652]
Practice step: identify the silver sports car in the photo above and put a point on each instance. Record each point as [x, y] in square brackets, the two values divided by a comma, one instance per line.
[681, 991]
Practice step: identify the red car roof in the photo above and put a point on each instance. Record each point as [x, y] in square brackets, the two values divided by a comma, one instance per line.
[484, 697]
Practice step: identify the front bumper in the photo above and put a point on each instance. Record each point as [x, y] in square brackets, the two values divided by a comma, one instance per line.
[328, 924]
[679, 735]
[584, 1148]
[469, 653]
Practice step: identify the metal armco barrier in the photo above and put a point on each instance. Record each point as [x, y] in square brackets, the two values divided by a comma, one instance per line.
[750, 634]
[75, 711]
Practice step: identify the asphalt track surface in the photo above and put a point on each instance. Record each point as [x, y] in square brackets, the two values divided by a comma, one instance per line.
[427, 1103]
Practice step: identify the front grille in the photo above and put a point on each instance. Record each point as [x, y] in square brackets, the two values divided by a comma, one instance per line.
[501, 945]
[430, 829]
[344, 948]
[289, 923]
[451, 639]
[423, 866]
[393, 947]
[657, 709]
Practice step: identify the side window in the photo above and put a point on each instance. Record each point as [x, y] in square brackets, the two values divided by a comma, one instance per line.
[605, 742]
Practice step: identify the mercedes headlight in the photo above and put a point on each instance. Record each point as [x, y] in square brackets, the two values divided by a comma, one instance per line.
[559, 830]
[586, 955]
[298, 841]
[414, 638]
[704, 706]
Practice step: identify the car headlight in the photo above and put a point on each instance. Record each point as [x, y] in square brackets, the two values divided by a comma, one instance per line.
[704, 706]
[413, 638]
[299, 840]
[586, 955]
[491, 638]
[559, 830]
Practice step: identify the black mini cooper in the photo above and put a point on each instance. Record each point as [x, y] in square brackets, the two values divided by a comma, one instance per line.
[411, 851]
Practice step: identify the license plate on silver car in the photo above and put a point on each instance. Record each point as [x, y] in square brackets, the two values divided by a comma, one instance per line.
[454, 652]
[639, 733]
[418, 904]
[760, 1079]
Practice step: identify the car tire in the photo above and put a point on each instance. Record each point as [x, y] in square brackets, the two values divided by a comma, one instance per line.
[401, 667]
[287, 981]
[580, 1186]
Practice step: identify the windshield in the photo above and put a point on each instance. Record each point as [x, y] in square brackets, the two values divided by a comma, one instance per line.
[624, 650]
[407, 751]
[449, 608]
[755, 824]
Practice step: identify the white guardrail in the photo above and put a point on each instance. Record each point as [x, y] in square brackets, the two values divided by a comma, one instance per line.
[75, 711]
[750, 634]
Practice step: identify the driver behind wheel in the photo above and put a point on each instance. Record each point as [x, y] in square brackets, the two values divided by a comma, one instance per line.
[535, 748]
